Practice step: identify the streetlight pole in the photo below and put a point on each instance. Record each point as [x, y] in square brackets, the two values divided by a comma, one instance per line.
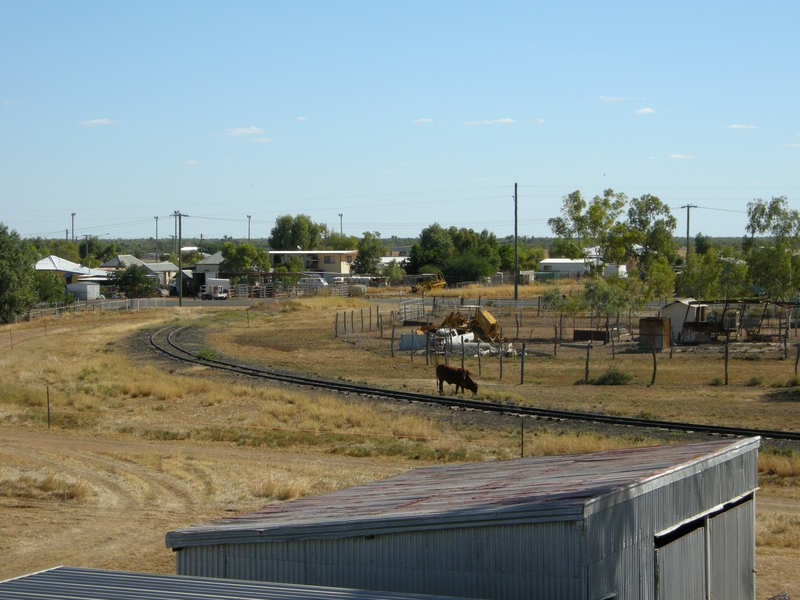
[340, 223]
[248, 228]
[156, 218]
[73, 228]
[179, 219]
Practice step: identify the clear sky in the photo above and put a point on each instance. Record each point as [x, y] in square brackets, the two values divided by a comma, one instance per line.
[394, 114]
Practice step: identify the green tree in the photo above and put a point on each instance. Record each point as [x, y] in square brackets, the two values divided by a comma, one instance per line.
[435, 246]
[297, 233]
[584, 225]
[134, 282]
[370, 252]
[659, 280]
[50, 287]
[529, 257]
[772, 262]
[17, 275]
[649, 234]
[336, 241]
[702, 243]
[469, 266]
[394, 273]
[243, 258]
[715, 274]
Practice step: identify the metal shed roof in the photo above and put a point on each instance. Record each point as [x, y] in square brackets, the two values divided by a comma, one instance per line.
[540, 489]
[97, 584]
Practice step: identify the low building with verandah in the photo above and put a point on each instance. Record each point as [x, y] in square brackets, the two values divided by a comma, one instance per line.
[675, 521]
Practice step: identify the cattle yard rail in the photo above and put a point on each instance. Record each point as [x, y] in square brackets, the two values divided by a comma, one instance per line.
[172, 349]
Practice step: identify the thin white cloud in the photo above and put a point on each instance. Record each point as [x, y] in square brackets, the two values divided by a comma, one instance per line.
[423, 120]
[97, 122]
[302, 119]
[736, 126]
[653, 157]
[617, 98]
[252, 130]
[645, 111]
[263, 140]
[191, 162]
[791, 145]
[489, 122]
[540, 121]
[680, 156]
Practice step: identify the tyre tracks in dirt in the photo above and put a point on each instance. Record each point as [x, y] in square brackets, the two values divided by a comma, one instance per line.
[136, 491]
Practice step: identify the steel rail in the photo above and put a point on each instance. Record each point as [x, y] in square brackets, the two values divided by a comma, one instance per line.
[527, 411]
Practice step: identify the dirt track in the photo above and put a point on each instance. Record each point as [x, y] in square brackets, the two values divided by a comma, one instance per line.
[137, 492]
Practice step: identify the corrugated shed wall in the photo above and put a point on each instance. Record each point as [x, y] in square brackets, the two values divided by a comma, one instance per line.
[733, 553]
[620, 540]
[681, 574]
[506, 562]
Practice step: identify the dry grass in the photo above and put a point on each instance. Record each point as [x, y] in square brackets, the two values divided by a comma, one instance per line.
[183, 420]
[28, 485]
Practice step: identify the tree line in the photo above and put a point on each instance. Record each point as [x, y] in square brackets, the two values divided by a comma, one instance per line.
[639, 232]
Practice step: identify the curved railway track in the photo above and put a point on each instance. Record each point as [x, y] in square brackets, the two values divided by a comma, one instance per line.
[175, 351]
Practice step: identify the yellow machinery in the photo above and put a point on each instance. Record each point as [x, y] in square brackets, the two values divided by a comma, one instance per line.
[435, 281]
[483, 325]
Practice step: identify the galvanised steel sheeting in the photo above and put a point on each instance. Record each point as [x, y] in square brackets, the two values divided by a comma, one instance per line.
[733, 553]
[581, 526]
[97, 584]
[542, 560]
[552, 488]
[681, 568]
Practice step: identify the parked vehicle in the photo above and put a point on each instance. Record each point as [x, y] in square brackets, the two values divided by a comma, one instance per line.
[215, 289]
[311, 283]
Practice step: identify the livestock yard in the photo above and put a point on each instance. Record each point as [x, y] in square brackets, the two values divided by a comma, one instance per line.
[139, 444]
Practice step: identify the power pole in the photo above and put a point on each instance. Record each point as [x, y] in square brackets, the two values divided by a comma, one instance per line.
[516, 250]
[86, 235]
[179, 220]
[175, 237]
[340, 223]
[66, 235]
[248, 228]
[688, 208]
[73, 228]
[156, 218]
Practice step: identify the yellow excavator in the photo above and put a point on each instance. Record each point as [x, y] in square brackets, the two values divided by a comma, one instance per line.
[432, 281]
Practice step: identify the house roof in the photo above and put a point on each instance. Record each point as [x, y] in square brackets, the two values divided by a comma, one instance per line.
[214, 259]
[61, 265]
[303, 252]
[123, 261]
[162, 267]
[539, 489]
[99, 584]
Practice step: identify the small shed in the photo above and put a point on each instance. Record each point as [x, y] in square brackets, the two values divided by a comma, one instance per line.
[99, 584]
[654, 332]
[84, 290]
[674, 521]
[683, 310]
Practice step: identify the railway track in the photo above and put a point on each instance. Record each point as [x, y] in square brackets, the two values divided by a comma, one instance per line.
[172, 349]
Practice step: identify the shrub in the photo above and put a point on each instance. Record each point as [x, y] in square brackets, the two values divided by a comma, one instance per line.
[207, 354]
[612, 376]
[755, 381]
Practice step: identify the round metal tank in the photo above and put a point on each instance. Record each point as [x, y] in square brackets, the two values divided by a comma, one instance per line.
[357, 290]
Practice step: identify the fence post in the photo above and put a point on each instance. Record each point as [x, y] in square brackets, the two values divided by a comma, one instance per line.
[501, 359]
[392, 342]
[522, 366]
[336, 325]
[655, 364]
[362, 320]
[586, 373]
[412, 345]
[370, 318]
[48, 407]
[463, 352]
[479, 357]
[516, 319]
[353, 321]
[555, 337]
[380, 323]
[726, 362]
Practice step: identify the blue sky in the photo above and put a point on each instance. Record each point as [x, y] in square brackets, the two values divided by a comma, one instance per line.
[396, 115]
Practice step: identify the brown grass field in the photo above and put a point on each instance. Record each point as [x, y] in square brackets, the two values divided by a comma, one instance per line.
[139, 445]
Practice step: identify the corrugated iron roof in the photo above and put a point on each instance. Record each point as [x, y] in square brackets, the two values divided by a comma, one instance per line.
[97, 584]
[551, 488]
